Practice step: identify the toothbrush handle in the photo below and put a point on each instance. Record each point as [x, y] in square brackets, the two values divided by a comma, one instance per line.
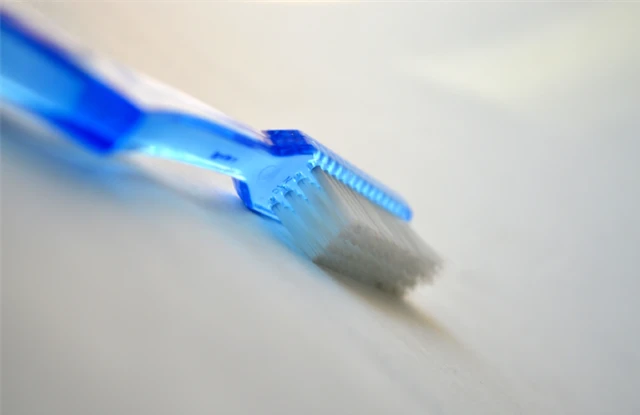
[108, 108]
[39, 77]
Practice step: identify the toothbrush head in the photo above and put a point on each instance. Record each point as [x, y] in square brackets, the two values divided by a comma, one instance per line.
[339, 216]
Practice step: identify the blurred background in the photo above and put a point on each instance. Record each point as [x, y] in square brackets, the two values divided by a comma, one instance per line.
[137, 286]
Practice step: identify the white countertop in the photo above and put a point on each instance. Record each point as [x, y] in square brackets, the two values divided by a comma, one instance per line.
[135, 287]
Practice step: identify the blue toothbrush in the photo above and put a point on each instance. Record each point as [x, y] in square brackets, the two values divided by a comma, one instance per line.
[339, 216]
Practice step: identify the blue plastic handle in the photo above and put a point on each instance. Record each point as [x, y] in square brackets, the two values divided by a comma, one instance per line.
[47, 80]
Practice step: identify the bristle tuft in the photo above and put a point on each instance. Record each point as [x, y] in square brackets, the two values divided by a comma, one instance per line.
[341, 230]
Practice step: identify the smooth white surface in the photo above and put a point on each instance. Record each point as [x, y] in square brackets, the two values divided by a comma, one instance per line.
[511, 128]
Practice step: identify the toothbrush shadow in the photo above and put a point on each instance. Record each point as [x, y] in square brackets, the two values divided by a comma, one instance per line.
[395, 307]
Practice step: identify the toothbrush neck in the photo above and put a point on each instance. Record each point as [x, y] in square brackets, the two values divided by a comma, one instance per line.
[198, 142]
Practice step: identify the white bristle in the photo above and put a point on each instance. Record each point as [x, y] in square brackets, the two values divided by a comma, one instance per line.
[341, 230]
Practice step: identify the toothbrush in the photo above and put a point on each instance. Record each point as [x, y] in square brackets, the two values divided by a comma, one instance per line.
[340, 217]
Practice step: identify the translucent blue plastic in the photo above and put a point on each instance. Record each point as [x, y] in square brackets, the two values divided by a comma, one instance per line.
[48, 80]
